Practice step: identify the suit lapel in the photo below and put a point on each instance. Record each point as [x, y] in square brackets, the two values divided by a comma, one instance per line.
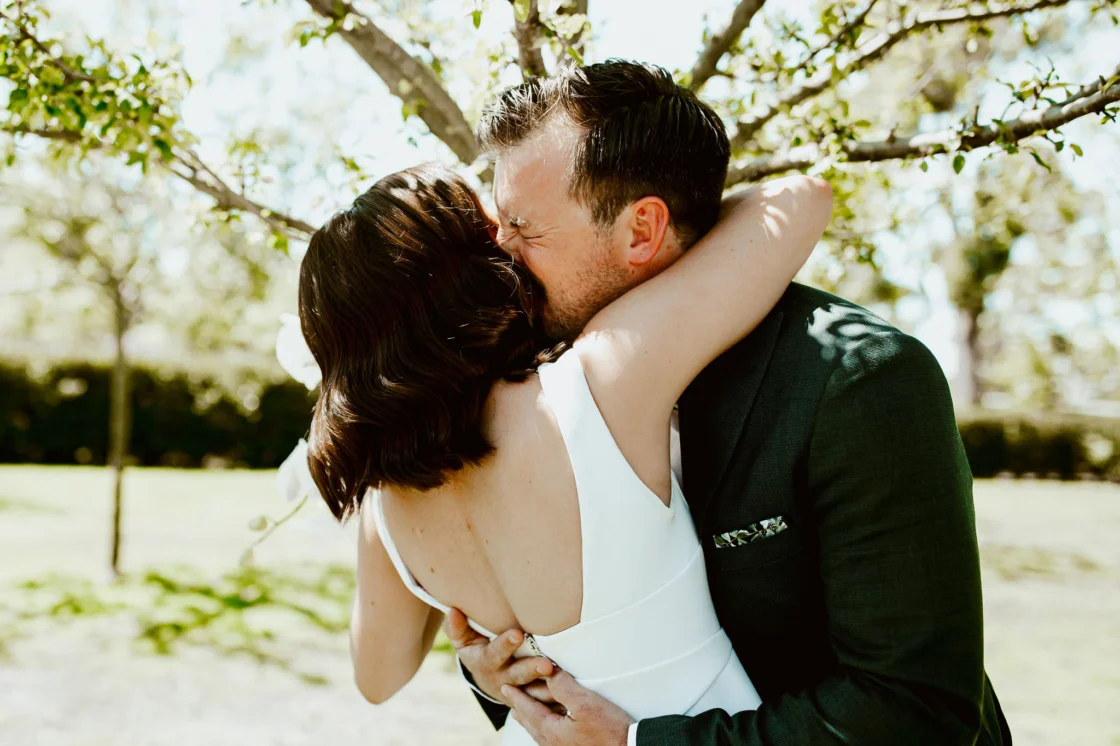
[715, 407]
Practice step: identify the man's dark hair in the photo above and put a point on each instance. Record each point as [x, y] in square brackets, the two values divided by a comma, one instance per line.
[644, 135]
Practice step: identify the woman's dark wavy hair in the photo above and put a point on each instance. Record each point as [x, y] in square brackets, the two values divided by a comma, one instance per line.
[412, 313]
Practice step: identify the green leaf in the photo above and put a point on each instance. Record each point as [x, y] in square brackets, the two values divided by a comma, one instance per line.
[51, 74]
[280, 242]
[521, 10]
[1038, 159]
[1076, 148]
[18, 99]
[924, 166]
[958, 163]
[476, 18]
[164, 149]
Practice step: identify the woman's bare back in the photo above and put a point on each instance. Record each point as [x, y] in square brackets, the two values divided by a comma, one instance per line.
[501, 541]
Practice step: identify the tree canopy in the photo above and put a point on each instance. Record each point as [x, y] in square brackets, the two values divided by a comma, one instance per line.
[786, 89]
[951, 111]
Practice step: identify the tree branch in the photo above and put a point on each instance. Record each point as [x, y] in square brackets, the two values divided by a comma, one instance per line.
[25, 33]
[529, 36]
[183, 162]
[874, 50]
[796, 159]
[1090, 88]
[46, 134]
[408, 78]
[839, 36]
[934, 143]
[718, 45]
[189, 167]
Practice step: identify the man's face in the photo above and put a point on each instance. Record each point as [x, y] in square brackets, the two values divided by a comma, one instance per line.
[581, 266]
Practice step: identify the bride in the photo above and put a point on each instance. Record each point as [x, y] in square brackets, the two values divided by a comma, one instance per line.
[528, 486]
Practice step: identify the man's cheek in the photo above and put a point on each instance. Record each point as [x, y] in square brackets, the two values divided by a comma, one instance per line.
[539, 270]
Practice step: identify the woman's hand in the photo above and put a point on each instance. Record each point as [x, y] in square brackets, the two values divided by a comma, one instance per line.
[491, 663]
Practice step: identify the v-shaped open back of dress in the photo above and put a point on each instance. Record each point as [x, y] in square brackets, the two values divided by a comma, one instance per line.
[648, 638]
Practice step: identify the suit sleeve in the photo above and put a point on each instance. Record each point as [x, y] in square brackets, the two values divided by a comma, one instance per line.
[496, 712]
[891, 492]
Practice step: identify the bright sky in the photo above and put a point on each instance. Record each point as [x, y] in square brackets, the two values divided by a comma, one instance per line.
[288, 82]
[319, 101]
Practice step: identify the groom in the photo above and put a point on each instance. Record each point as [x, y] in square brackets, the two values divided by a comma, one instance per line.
[820, 456]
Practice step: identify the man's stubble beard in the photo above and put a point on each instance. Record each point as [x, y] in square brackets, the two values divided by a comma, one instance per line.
[567, 313]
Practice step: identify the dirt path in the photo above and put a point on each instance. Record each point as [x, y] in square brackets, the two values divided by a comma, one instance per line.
[61, 690]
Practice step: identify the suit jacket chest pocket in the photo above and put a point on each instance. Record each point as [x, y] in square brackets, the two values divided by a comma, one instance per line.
[766, 593]
[756, 545]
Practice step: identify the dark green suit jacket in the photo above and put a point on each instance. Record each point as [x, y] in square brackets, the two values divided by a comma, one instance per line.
[860, 622]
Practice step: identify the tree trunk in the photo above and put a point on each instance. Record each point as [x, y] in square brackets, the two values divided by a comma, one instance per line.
[971, 355]
[119, 424]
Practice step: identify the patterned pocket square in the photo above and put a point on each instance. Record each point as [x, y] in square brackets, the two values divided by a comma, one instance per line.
[752, 533]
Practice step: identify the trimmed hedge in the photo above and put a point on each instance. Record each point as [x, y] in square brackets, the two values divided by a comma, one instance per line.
[180, 419]
[1051, 446]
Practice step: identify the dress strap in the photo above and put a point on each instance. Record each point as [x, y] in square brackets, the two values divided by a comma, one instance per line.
[406, 575]
[600, 467]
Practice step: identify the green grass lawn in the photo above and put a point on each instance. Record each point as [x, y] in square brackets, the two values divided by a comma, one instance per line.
[56, 519]
[192, 648]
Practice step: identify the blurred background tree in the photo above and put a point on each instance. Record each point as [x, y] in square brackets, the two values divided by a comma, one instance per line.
[1056, 234]
[957, 135]
[103, 252]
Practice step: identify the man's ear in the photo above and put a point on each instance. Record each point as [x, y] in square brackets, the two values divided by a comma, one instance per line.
[649, 226]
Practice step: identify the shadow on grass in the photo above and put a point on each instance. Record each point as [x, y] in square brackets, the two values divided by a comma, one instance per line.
[8, 505]
[1015, 563]
[253, 612]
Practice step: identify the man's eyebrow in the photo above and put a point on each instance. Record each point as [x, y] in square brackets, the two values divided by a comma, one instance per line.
[513, 220]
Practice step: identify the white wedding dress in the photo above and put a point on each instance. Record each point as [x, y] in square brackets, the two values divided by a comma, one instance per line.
[648, 638]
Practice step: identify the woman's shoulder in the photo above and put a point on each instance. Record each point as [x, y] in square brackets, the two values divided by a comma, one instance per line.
[514, 410]
[528, 445]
